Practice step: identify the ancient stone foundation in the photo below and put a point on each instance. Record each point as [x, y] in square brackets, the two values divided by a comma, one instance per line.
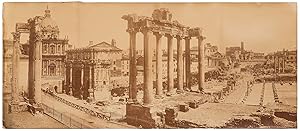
[143, 116]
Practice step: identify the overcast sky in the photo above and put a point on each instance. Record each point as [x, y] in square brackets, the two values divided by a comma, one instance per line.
[262, 27]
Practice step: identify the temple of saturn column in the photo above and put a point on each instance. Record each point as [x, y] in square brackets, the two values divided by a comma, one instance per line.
[161, 25]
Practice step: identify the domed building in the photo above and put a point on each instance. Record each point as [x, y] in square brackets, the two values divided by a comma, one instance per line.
[53, 53]
[37, 64]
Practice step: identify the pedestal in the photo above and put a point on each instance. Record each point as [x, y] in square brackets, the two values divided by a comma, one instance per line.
[17, 107]
[144, 116]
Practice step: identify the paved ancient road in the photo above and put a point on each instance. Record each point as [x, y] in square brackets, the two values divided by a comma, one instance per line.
[268, 94]
[287, 94]
[254, 97]
[237, 95]
[79, 116]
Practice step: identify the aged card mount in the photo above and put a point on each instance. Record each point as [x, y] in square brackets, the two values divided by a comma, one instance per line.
[149, 65]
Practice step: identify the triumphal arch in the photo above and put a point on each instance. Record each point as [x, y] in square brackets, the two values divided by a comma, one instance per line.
[160, 25]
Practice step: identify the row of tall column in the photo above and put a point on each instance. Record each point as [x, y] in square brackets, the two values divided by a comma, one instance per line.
[279, 64]
[90, 74]
[35, 67]
[148, 78]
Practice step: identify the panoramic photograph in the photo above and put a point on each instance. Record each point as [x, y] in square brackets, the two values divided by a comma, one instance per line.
[149, 65]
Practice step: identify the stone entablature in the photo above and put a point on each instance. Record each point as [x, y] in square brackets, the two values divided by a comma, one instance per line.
[160, 22]
[161, 25]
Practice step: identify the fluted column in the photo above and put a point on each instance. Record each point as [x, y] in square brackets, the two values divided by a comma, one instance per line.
[15, 68]
[31, 72]
[159, 86]
[170, 65]
[187, 63]
[132, 66]
[179, 65]
[200, 63]
[38, 68]
[148, 82]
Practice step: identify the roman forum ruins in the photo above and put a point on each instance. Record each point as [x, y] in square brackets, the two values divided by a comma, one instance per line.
[162, 25]
[44, 59]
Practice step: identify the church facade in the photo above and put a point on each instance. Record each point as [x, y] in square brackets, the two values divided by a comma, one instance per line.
[38, 63]
[53, 53]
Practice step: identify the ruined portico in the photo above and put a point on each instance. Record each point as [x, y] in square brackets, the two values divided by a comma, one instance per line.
[160, 25]
[45, 56]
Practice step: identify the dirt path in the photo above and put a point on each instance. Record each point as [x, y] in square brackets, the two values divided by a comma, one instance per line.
[268, 94]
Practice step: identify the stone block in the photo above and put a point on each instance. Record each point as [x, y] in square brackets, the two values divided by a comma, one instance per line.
[171, 114]
[15, 108]
[183, 108]
[193, 105]
[146, 117]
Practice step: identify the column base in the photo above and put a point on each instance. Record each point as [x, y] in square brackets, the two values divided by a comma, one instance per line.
[179, 91]
[170, 93]
[200, 92]
[90, 99]
[132, 101]
[158, 96]
[17, 107]
[188, 89]
[35, 108]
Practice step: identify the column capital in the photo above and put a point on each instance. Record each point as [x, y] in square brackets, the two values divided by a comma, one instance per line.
[179, 37]
[132, 30]
[69, 64]
[158, 34]
[91, 64]
[82, 66]
[187, 38]
[16, 36]
[145, 30]
[170, 35]
[201, 37]
[38, 36]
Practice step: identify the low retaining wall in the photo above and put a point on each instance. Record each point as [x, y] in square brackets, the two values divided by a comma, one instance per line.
[98, 114]
[65, 119]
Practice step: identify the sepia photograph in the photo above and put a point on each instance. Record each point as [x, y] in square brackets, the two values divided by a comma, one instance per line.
[96, 65]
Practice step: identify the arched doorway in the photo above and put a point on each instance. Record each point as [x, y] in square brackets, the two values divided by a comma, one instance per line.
[52, 69]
